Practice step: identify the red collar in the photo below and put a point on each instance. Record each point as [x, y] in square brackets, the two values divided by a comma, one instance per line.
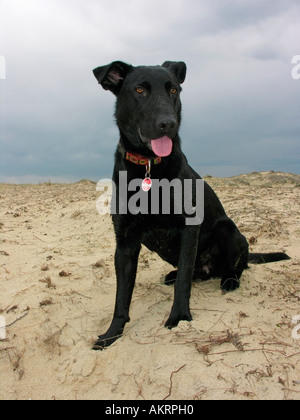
[138, 159]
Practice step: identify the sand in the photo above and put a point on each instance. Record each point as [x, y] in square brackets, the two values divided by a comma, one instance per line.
[57, 294]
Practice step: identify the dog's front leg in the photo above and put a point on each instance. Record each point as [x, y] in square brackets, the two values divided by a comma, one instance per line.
[126, 261]
[188, 252]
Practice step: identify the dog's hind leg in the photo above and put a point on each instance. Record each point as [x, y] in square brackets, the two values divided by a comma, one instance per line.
[126, 261]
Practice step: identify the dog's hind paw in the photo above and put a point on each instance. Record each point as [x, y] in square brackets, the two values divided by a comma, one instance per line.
[170, 278]
[229, 284]
[104, 341]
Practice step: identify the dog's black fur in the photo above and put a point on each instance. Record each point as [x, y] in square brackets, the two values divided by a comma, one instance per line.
[148, 107]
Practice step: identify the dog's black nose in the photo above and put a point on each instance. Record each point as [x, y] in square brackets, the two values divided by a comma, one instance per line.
[167, 125]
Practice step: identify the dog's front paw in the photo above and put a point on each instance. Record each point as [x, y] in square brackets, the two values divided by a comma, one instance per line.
[175, 318]
[104, 341]
[229, 284]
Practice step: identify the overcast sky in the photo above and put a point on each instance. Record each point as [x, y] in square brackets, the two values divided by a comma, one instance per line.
[241, 105]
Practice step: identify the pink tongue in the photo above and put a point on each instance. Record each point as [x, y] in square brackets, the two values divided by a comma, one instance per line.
[162, 147]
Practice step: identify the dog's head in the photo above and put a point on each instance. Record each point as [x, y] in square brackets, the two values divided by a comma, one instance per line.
[148, 109]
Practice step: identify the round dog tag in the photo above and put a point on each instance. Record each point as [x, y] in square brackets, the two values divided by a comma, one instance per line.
[147, 184]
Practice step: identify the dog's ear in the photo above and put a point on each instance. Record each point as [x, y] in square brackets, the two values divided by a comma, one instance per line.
[178, 68]
[111, 77]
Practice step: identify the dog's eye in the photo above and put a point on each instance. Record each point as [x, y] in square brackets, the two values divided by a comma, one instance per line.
[173, 91]
[139, 90]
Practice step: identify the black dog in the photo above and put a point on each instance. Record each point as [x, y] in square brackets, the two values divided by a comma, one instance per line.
[148, 114]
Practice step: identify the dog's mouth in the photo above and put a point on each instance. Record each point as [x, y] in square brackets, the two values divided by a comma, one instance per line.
[162, 147]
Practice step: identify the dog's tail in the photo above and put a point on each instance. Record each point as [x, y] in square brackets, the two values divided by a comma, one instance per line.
[267, 258]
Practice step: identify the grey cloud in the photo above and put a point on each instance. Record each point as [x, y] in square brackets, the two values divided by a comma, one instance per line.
[240, 102]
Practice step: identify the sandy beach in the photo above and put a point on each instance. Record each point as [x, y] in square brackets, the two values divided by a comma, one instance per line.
[57, 294]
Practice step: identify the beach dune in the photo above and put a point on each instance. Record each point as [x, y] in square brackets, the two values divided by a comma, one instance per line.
[57, 292]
